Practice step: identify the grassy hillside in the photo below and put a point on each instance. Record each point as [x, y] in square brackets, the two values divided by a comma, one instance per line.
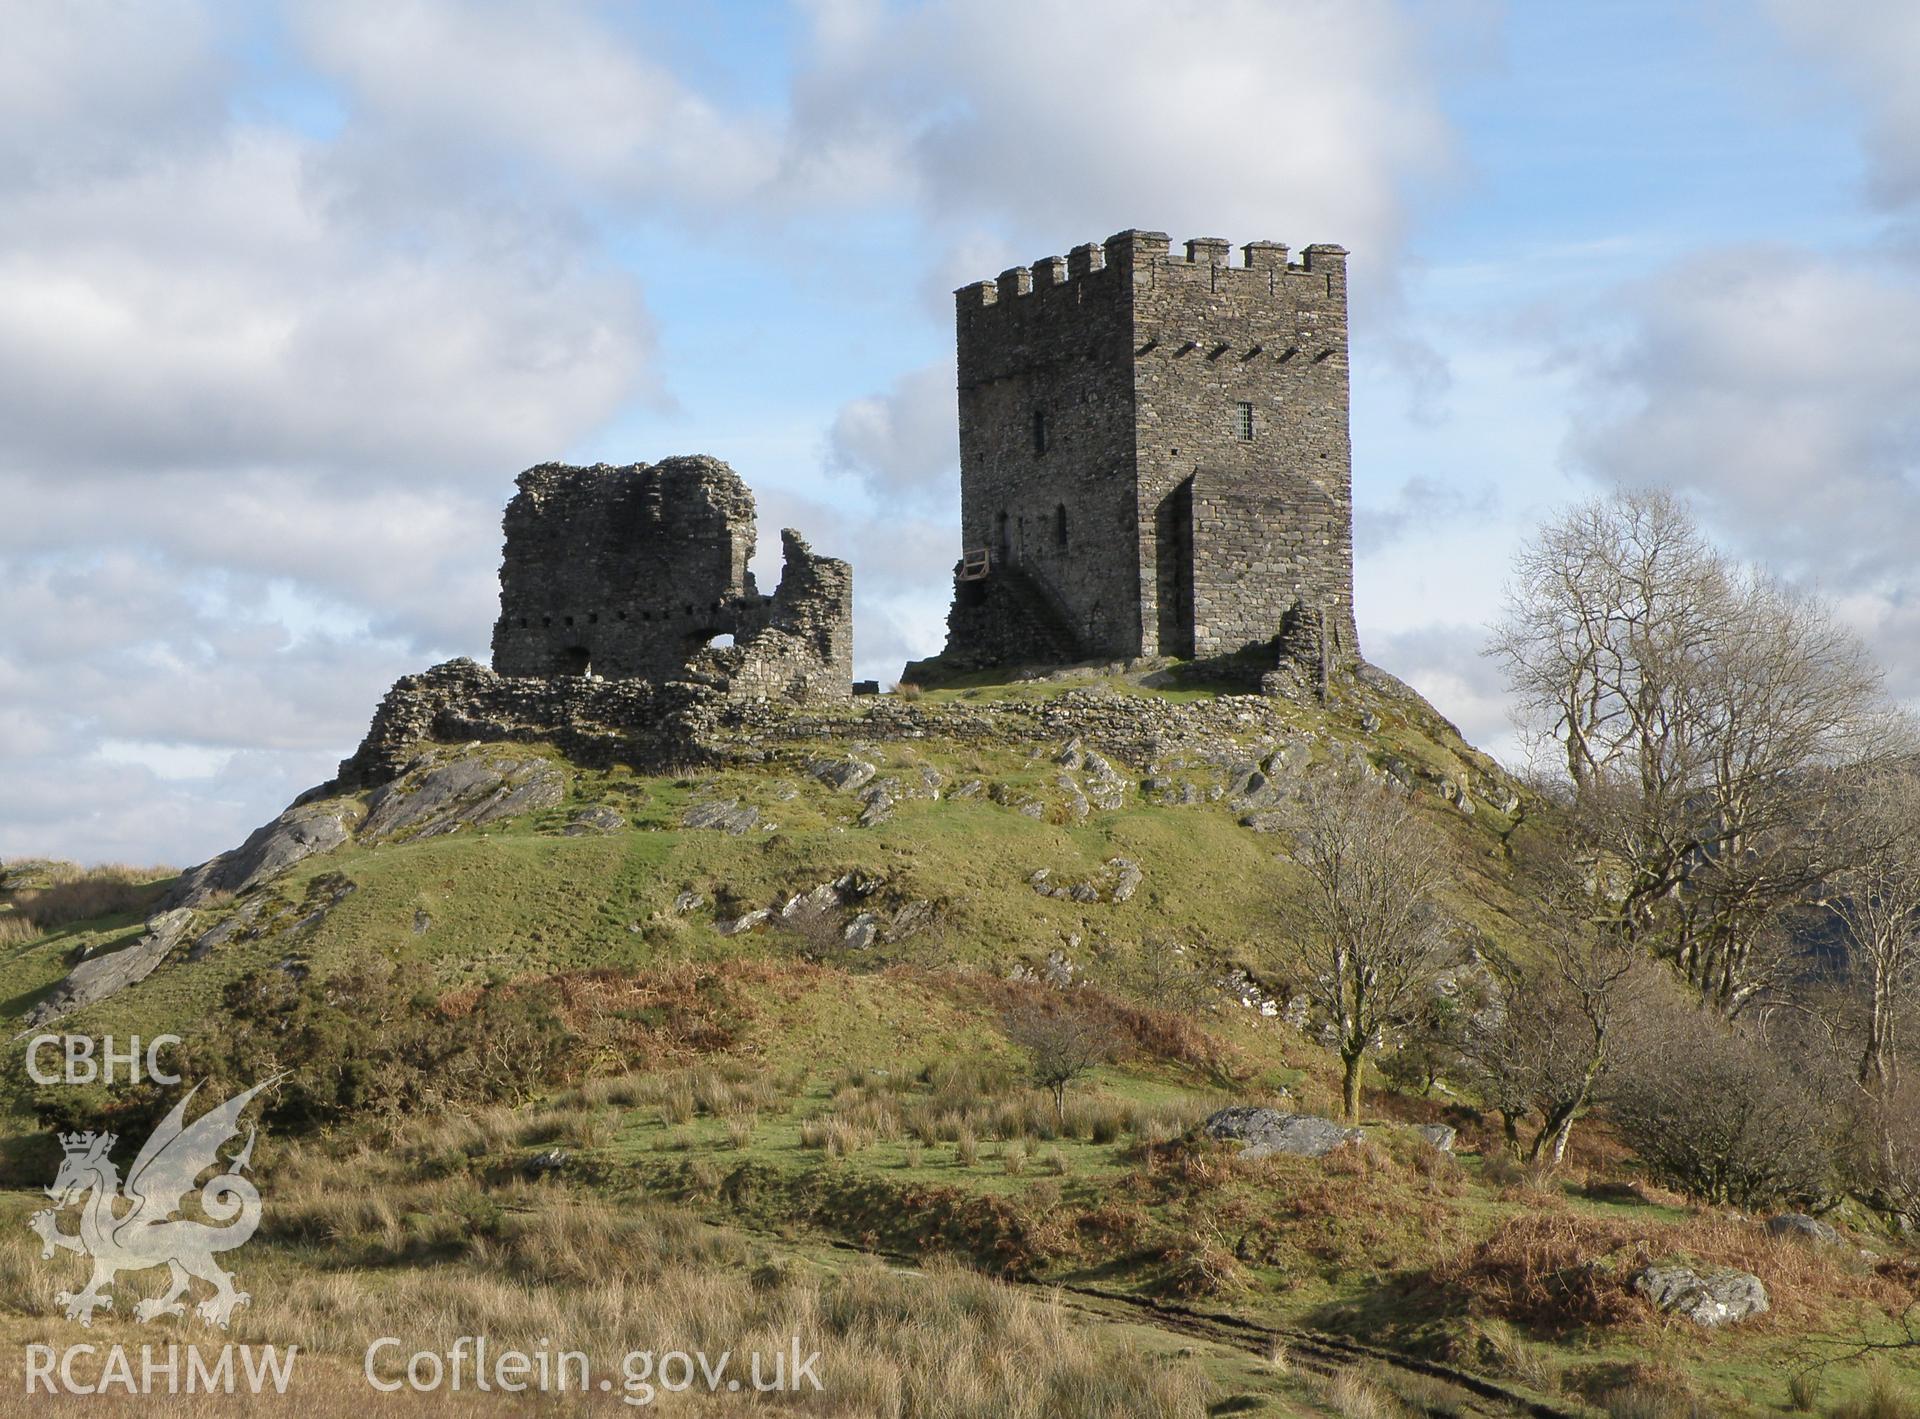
[612, 1051]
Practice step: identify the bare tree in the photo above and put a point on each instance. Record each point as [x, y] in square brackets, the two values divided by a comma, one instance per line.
[1881, 1151]
[1063, 1041]
[1708, 718]
[1166, 975]
[1877, 900]
[1550, 1042]
[1372, 931]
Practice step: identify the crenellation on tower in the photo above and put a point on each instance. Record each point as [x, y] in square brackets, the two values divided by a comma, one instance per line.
[1085, 259]
[1209, 251]
[1264, 255]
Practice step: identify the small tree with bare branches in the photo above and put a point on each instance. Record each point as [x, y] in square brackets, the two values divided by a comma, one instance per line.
[1064, 1041]
[1545, 1043]
[1371, 930]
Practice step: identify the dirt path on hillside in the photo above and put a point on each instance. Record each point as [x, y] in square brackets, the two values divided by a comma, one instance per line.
[1308, 1350]
[1312, 1351]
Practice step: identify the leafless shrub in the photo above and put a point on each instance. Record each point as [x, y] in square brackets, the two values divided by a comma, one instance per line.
[1544, 1046]
[1717, 1113]
[1877, 899]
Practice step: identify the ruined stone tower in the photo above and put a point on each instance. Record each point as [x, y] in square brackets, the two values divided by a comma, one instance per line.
[1154, 456]
[640, 572]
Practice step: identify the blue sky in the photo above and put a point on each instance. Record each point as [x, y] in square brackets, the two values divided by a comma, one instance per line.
[290, 292]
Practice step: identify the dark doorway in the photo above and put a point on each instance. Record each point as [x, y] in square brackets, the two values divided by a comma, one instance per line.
[575, 660]
[1173, 536]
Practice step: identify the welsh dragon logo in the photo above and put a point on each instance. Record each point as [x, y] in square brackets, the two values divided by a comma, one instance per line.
[137, 1231]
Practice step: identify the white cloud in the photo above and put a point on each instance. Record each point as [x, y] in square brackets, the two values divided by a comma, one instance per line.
[151, 711]
[260, 405]
[1776, 386]
[1444, 662]
[1303, 121]
[905, 443]
[214, 311]
[556, 93]
[1874, 48]
[1423, 505]
[86, 84]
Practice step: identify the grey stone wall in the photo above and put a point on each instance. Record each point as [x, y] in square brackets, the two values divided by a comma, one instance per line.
[633, 572]
[1146, 513]
[665, 727]
[795, 645]
[1272, 515]
[1052, 343]
[595, 722]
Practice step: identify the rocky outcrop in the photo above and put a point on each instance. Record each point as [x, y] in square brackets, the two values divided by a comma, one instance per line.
[1266, 1132]
[842, 775]
[99, 976]
[1118, 881]
[728, 816]
[28, 873]
[1714, 1298]
[438, 795]
[597, 819]
[1108, 745]
[302, 831]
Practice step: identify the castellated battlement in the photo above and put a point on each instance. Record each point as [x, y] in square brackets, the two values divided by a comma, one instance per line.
[1264, 268]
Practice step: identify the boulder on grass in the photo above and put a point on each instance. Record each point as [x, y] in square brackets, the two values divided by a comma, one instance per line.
[1267, 1132]
[1715, 1298]
[98, 977]
[1801, 1227]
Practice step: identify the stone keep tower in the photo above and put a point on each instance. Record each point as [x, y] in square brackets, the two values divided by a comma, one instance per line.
[1154, 457]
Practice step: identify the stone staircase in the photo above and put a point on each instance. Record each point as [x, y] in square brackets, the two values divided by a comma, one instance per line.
[1004, 618]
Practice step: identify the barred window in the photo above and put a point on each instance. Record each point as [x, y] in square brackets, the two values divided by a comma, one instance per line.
[1243, 421]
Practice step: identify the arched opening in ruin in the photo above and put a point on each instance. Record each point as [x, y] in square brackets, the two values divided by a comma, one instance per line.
[576, 660]
[723, 641]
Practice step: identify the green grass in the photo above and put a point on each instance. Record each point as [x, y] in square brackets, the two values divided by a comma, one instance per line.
[1300, 1243]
